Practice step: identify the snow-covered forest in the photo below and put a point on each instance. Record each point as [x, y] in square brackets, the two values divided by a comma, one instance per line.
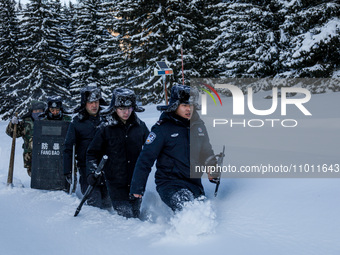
[48, 48]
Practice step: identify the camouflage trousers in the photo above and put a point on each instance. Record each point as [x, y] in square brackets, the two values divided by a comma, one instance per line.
[28, 160]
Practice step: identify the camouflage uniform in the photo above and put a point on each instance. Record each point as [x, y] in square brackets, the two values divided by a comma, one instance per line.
[24, 130]
[67, 118]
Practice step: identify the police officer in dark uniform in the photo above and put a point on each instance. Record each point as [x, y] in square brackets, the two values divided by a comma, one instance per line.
[80, 133]
[55, 110]
[121, 138]
[169, 143]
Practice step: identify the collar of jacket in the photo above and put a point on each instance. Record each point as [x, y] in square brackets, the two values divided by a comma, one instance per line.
[83, 114]
[170, 116]
[97, 117]
[173, 117]
[195, 119]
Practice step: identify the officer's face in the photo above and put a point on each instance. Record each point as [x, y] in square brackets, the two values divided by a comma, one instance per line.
[55, 111]
[185, 111]
[92, 107]
[124, 113]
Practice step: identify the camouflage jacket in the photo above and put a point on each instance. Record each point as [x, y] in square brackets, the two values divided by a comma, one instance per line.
[67, 118]
[24, 130]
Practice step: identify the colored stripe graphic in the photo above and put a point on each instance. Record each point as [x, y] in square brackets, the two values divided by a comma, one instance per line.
[213, 90]
[209, 94]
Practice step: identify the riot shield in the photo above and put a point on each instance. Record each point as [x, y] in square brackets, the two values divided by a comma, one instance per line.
[47, 155]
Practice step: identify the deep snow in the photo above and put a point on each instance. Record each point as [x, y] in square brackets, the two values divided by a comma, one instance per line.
[249, 216]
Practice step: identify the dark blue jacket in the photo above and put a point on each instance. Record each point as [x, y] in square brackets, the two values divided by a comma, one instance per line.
[169, 143]
[122, 143]
[80, 132]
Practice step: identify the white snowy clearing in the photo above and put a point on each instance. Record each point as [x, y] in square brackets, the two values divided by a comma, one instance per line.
[249, 216]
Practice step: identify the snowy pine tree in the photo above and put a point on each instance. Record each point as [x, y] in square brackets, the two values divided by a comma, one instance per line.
[185, 25]
[68, 31]
[312, 31]
[87, 64]
[209, 44]
[111, 61]
[248, 43]
[9, 55]
[44, 57]
[113, 44]
[152, 31]
[9, 31]
[132, 24]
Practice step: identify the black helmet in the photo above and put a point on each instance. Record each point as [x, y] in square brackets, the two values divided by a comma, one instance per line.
[123, 97]
[89, 94]
[54, 102]
[181, 94]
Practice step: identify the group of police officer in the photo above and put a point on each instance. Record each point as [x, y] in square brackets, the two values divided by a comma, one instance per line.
[117, 131]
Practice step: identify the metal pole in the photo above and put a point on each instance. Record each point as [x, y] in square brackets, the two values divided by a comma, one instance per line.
[182, 65]
[165, 89]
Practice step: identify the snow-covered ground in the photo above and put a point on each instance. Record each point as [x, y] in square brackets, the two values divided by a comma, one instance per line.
[249, 215]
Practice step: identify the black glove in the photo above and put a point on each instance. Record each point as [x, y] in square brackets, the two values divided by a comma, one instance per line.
[93, 180]
[68, 178]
